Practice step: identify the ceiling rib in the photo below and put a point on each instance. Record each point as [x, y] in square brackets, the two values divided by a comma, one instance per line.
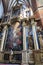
[10, 2]
[13, 3]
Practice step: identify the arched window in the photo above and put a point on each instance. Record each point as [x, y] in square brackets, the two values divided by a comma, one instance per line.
[1, 9]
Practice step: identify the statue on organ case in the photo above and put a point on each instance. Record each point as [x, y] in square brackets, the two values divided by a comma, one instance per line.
[31, 46]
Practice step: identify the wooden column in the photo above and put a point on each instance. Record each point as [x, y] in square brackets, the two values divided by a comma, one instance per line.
[34, 35]
[3, 38]
[24, 54]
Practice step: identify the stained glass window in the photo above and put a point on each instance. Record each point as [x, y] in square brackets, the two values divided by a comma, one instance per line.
[1, 9]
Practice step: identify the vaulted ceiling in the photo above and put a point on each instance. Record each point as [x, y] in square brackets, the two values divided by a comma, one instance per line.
[7, 4]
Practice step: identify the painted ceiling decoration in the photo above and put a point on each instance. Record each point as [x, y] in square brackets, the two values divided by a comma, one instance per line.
[8, 4]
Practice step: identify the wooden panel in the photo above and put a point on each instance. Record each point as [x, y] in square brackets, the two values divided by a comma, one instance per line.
[1, 57]
[41, 42]
[39, 64]
[37, 57]
[30, 57]
[41, 57]
[24, 57]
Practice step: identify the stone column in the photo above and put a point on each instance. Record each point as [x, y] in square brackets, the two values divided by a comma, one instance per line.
[24, 54]
[3, 38]
[34, 35]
